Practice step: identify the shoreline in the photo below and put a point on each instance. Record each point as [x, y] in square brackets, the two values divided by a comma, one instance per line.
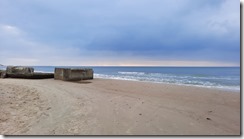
[189, 85]
[115, 107]
[188, 82]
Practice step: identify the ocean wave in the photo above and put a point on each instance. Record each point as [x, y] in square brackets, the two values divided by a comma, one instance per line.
[172, 80]
[193, 77]
[161, 75]
[43, 71]
[131, 73]
[112, 77]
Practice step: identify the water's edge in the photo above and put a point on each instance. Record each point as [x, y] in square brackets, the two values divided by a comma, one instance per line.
[222, 78]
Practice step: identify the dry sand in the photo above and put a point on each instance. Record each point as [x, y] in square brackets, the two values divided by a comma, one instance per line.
[114, 107]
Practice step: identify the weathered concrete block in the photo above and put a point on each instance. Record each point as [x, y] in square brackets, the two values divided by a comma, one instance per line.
[70, 74]
[3, 74]
[25, 73]
[19, 70]
[88, 74]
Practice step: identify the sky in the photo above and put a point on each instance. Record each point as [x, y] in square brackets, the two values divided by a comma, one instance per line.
[120, 32]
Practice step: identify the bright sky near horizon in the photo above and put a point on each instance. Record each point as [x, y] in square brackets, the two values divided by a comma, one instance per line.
[120, 32]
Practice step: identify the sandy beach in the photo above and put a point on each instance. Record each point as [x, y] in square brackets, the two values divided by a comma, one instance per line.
[115, 107]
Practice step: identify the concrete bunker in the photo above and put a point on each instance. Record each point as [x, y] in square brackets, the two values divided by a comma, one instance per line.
[73, 74]
[24, 72]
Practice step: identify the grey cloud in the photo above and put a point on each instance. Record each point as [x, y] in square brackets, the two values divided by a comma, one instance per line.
[159, 29]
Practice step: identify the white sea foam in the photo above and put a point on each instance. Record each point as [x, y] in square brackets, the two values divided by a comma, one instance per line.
[112, 77]
[132, 73]
[43, 71]
[166, 78]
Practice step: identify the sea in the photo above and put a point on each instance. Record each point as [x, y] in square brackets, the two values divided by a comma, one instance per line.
[224, 78]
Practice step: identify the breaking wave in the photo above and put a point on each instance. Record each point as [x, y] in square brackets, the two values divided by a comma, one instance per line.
[209, 82]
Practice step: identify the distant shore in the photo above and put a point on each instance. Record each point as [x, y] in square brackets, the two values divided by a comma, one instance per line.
[115, 107]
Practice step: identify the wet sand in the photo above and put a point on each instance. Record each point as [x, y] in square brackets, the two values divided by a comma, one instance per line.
[115, 107]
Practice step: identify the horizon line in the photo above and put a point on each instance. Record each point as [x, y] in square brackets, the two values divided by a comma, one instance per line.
[113, 66]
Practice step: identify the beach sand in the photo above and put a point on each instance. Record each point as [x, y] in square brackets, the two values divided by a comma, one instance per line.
[115, 107]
